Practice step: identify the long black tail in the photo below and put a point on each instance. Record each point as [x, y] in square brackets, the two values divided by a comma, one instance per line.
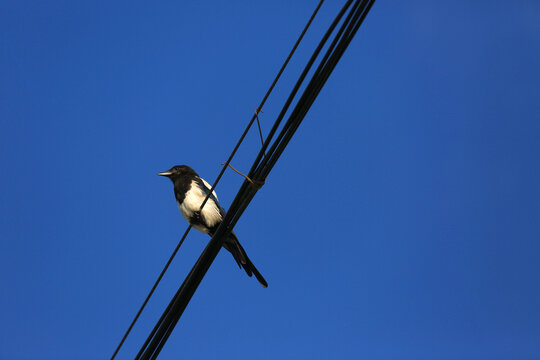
[233, 246]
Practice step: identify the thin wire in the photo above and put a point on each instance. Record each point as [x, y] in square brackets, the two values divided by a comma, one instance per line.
[151, 291]
[259, 108]
[239, 173]
[257, 111]
[263, 101]
[297, 87]
[247, 191]
[313, 88]
[262, 170]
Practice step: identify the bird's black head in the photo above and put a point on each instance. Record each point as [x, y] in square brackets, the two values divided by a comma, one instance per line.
[178, 171]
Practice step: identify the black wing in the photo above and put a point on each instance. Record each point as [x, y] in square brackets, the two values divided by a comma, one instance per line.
[205, 188]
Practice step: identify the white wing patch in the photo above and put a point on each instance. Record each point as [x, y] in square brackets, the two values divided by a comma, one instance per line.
[192, 203]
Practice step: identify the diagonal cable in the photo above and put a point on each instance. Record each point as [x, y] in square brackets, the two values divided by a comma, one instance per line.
[263, 101]
[259, 172]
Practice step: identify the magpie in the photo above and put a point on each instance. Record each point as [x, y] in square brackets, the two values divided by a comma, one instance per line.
[190, 191]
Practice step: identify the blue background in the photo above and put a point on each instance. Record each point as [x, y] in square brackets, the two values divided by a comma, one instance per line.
[402, 222]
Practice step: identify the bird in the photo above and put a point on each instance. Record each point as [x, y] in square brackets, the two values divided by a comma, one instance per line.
[190, 191]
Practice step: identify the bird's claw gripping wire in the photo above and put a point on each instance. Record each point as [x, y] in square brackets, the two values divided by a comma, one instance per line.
[258, 184]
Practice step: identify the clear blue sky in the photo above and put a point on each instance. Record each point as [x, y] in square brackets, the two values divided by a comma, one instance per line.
[402, 222]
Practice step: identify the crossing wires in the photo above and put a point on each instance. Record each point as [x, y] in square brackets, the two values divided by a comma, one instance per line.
[349, 18]
[225, 165]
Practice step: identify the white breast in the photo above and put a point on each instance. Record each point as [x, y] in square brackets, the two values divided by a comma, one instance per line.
[192, 203]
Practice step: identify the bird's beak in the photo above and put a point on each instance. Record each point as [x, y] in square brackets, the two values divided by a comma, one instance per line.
[165, 173]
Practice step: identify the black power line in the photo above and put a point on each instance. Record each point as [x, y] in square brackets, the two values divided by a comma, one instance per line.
[261, 167]
[255, 116]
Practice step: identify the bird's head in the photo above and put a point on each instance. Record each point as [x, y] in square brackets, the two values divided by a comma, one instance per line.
[177, 171]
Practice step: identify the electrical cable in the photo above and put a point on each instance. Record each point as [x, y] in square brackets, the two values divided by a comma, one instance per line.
[255, 116]
[260, 170]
